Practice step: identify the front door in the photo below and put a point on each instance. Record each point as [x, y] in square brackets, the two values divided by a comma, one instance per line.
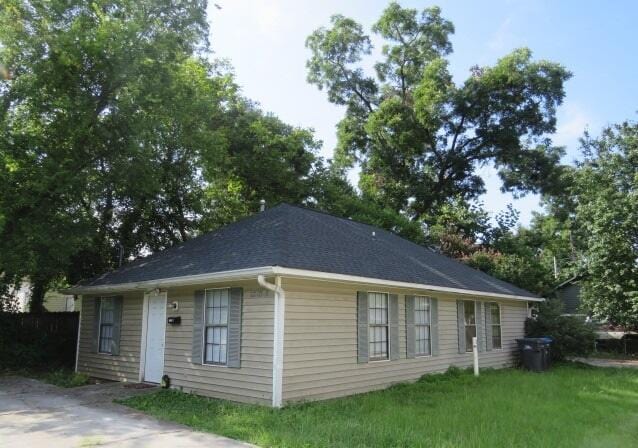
[155, 332]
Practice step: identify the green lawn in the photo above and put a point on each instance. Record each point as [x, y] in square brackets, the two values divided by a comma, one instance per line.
[570, 406]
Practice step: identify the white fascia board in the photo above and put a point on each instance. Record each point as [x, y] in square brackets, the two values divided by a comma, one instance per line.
[199, 279]
[317, 275]
[252, 273]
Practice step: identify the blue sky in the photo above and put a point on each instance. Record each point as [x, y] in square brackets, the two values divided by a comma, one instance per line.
[597, 41]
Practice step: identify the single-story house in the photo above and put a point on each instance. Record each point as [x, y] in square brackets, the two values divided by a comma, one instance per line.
[294, 304]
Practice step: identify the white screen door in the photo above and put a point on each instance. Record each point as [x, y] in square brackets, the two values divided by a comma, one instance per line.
[155, 332]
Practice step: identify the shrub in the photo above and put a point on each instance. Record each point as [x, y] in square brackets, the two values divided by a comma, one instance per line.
[572, 336]
[66, 378]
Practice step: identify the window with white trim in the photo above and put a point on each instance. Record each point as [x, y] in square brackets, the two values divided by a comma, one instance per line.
[378, 326]
[106, 325]
[495, 310]
[216, 331]
[469, 307]
[422, 320]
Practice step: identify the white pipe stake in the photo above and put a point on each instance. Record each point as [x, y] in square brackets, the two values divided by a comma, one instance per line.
[475, 352]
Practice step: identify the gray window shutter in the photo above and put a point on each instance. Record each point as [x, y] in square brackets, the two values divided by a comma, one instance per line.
[234, 327]
[460, 317]
[409, 327]
[118, 303]
[95, 341]
[479, 326]
[198, 327]
[393, 321]
[434, 325]
[488, 326]
[362, 327]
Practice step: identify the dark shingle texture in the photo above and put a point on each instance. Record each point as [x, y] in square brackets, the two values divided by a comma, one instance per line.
[295, 237]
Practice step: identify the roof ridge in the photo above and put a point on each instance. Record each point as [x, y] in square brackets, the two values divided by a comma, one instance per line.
[323, 212]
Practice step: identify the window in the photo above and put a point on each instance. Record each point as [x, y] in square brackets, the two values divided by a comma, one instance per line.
[469, 307]
[378, 325]
[422, 346]
[106, 325]
[216, 331]
[495, 313]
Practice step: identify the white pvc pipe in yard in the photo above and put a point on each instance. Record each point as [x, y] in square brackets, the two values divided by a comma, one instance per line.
[475, 352]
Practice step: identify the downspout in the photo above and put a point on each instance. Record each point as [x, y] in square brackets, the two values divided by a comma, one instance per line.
[77, 342]
[278, 337]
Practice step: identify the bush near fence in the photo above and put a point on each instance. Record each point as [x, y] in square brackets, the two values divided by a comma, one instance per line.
[38, 341]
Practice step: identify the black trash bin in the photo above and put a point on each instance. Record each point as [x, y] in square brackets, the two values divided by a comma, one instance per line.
[535, 353]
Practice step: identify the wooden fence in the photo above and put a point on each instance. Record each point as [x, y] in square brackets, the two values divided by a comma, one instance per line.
[38, 340]
[625, 346]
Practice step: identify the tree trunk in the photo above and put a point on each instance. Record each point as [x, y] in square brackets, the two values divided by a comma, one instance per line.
[38, 289]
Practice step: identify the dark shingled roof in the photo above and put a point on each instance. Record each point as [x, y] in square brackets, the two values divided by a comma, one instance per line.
[296, 237]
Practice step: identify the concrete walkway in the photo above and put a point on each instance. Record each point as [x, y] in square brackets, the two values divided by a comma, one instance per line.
[34, 414]
[599, 362]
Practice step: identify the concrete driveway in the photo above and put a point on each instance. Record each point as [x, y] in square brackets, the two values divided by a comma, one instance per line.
[34, 414]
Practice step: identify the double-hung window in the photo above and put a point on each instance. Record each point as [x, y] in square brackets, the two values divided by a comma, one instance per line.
[378, 325]
[422, 320]
[216, 331]
[495, 314]
[106, 325]
[469, 307]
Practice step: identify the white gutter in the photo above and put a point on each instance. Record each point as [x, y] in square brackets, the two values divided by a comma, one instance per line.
[327, 276]
[187, 280]
[278, 337]
[251, 273]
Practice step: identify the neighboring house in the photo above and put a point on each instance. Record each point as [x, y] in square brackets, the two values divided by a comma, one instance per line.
[21, 296]
[608, 336]
[53, 301]
[568, 292]
[56, 302]
[292, 304]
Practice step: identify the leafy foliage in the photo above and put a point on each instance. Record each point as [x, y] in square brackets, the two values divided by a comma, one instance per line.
[419, 137]
[606, 192]
[118, 138]
[572, 336]
[66, 378]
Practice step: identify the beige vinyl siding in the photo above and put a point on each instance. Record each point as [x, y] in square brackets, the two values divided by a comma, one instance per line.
[320, 348]
[56, 302]
[252, 382]
[125, 366]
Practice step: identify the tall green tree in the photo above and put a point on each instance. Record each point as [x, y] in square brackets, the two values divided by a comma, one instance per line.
[95, 118]
[419, 137]
[118, 137]
[606, 192]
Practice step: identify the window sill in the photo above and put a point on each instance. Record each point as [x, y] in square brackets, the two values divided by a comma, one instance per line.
[379, 360]
[208, 364]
